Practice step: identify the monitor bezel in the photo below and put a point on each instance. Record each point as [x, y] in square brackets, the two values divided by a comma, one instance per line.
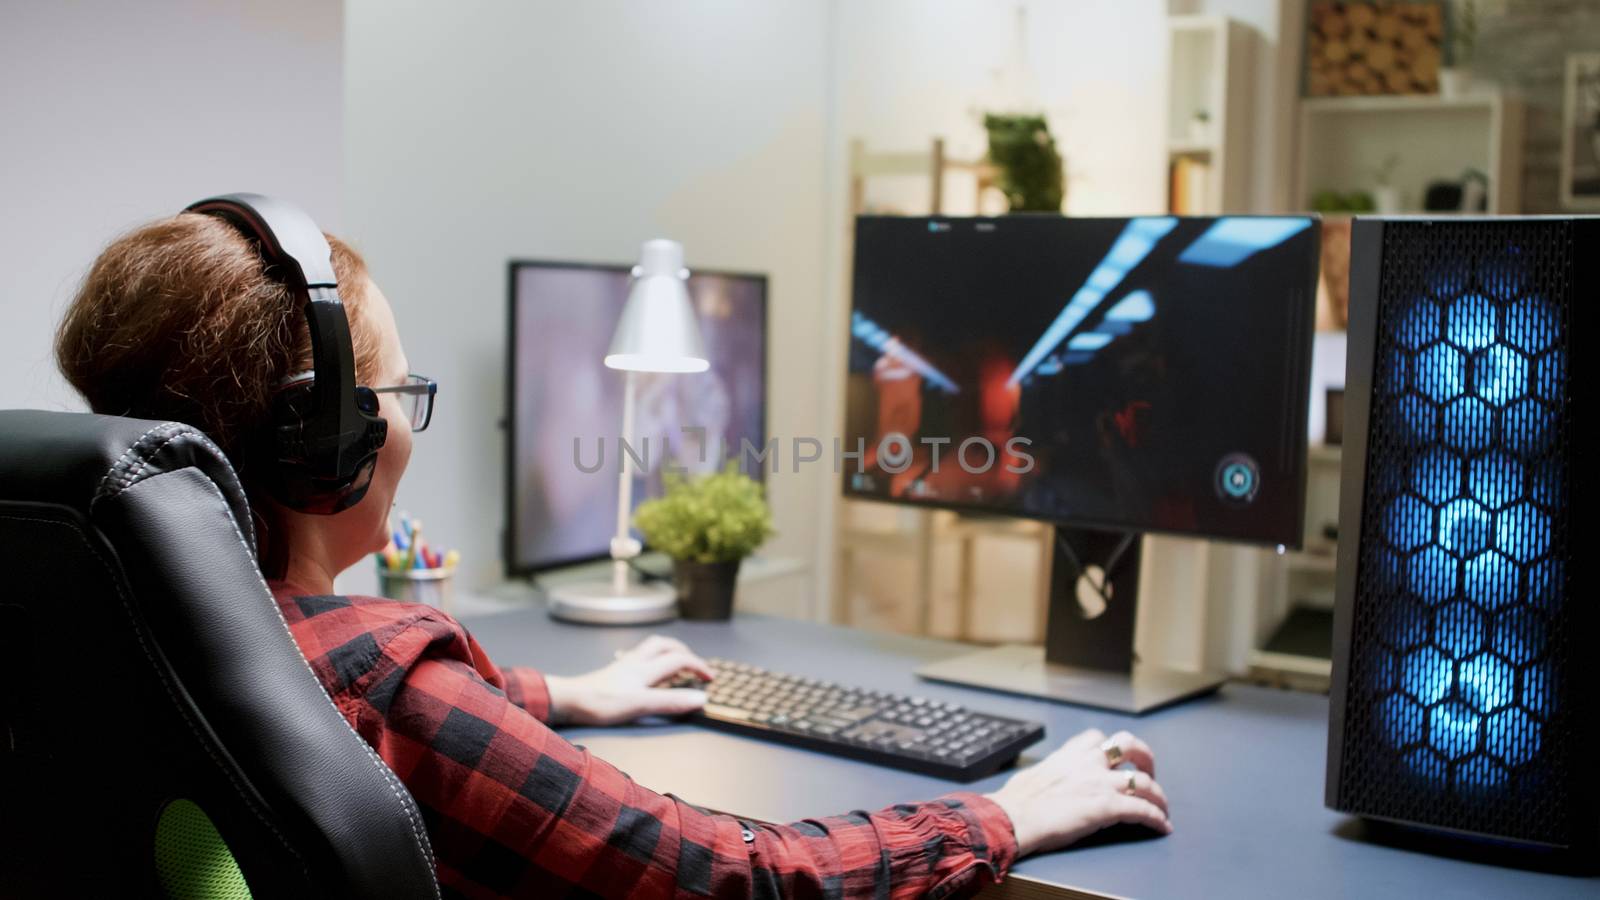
[1300, 442]
[508, 421]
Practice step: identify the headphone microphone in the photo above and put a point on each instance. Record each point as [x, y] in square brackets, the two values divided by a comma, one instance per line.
[321, 447]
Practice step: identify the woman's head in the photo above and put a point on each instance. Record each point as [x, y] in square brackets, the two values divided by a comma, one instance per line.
[178, 320]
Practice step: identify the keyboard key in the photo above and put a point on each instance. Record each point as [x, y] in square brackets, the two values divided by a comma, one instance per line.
[726, 712]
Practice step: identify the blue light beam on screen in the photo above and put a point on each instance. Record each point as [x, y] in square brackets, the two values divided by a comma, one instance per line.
[1234, 239]
[874, 336]
[1138, 238]
[1138, 306]
[1089, 340]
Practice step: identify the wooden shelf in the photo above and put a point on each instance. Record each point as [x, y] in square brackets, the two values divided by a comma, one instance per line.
[1401, 103]
[1191, 148]
[1326, 454]
[1345, 142]
[1320, 563]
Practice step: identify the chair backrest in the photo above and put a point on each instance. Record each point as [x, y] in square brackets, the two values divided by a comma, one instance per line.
[156, 717]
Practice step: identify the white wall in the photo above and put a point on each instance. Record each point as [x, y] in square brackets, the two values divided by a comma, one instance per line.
[115, 113]
[481, 131]
[910, 70]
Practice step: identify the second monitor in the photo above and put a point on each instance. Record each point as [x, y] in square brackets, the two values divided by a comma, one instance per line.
[1115, 375]
[565, 405]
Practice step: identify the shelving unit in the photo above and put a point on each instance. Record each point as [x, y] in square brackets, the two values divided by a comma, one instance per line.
[1210, 60]
[1304, 581]
[1345, 141]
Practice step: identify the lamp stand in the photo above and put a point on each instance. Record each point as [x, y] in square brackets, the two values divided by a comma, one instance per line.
[621, 601]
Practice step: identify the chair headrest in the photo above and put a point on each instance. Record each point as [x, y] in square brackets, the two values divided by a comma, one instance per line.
[75, 459]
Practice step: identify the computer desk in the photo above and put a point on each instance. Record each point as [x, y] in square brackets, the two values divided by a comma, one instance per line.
[1243, 770]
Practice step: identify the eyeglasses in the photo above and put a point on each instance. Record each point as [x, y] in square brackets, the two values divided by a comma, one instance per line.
[416, 398]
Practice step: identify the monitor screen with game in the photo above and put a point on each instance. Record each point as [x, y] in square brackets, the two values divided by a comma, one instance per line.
[1145, 374]
[562, 319]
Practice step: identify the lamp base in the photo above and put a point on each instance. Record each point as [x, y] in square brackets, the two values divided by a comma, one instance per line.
[600, 603]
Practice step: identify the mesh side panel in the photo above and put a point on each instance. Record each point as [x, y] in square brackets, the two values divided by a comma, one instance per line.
[192, 861]
[1460, 638]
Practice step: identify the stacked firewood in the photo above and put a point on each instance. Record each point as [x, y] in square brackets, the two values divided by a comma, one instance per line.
[1374, 48]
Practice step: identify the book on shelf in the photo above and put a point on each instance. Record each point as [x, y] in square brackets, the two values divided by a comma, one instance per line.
[1187, 193]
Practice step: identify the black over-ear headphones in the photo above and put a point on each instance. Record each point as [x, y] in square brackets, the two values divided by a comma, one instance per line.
[325, 431]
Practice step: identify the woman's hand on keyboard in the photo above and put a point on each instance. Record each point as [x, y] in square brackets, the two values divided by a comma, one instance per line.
[627, 688]
[1080, 789]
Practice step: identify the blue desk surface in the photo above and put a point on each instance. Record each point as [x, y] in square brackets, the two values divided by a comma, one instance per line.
[1243, 770]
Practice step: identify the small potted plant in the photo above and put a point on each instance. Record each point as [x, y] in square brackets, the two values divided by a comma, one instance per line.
[708, 525]
[1455, 78]
[1385, 193]
[1025, 158]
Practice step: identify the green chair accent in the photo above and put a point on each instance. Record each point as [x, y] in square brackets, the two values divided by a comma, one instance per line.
[192, 860]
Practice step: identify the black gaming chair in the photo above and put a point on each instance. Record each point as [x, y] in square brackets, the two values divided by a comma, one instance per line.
[160, 733]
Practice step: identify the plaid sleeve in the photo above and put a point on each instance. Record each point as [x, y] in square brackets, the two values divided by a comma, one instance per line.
[513, 809]
[526, 688]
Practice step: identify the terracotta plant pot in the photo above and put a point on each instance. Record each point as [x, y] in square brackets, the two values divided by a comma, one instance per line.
[705, 590]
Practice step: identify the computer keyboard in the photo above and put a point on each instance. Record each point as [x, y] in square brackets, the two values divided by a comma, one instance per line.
[927, 736]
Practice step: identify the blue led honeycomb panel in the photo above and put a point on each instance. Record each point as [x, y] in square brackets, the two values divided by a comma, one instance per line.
[1460, 627]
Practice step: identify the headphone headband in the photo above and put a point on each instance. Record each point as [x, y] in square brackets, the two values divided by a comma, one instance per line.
[288, 238]
[325, 443]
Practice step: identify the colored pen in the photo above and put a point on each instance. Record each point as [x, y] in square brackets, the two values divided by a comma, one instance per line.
[416, 540]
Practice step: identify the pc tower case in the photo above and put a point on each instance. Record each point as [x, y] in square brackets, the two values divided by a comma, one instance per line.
[1464, 676]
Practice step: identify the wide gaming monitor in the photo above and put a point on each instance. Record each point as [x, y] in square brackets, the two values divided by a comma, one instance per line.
[1146, 374]
[562, 319]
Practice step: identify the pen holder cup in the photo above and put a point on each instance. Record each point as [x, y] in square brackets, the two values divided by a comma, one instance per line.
[430, 586]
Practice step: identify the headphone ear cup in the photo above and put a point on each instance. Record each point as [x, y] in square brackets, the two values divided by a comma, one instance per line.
[293, 474]
[292, 407]
[280, 457]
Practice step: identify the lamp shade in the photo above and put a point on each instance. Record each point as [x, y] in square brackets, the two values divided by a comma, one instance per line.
[658, 331]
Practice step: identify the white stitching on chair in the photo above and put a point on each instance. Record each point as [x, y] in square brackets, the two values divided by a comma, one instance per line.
[166, 685]
[407, 805]
[132, 448]
[184, 433]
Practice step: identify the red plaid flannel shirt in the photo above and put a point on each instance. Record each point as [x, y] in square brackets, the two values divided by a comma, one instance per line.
[514, 809]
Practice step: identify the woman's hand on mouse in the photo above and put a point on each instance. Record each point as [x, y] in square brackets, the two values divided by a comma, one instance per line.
[626, 689]
[1080, 789]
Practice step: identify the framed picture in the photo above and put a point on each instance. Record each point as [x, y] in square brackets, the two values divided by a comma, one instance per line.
[1580, 133]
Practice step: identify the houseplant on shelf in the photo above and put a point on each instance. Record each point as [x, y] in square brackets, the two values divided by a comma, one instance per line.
[707, 525]
[1025, 157]
[1455, 79]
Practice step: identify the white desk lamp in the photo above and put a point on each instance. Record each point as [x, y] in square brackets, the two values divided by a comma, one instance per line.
[657, 333]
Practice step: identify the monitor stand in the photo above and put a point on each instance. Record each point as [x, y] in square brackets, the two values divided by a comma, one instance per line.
[1088, 656]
